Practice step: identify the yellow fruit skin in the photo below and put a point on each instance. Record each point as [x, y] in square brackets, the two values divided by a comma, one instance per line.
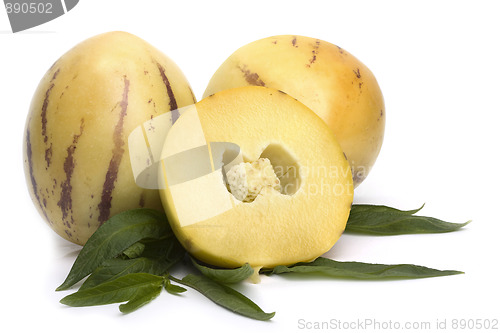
[323, 76]
[275, 229]
[76, 157]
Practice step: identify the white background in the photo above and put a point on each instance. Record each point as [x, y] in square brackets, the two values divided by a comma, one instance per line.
[438, 66]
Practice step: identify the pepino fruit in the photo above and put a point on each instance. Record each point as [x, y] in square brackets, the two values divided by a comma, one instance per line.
[76, 156]
[286, 200]
[323, 76]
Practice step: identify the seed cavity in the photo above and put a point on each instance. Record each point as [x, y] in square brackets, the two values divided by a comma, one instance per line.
[247, 180]
[275, 172]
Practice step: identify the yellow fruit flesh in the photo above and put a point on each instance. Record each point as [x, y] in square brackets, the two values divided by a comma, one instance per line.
[326, 78]
[279, 228]
[75, 149]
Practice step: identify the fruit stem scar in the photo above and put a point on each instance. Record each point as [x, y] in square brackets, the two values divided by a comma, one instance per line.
[117, 153]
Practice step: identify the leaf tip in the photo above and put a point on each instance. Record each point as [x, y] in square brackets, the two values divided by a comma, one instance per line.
[124, 309]
[62, 287]
[266, 316]
[64, 300]
[459, 226]
[452, 272]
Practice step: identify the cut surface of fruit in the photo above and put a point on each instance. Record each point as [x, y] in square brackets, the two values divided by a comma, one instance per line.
[296, 184]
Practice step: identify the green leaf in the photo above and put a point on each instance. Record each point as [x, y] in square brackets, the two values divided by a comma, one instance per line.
[115, 268]
[134, 251]
[136, 287]
[173, 289]
[143, 297]
[224, 275]
[168, 249]
[115, 236]
[359, 270]
[225, 296]
[383, 220]
[157, 258]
